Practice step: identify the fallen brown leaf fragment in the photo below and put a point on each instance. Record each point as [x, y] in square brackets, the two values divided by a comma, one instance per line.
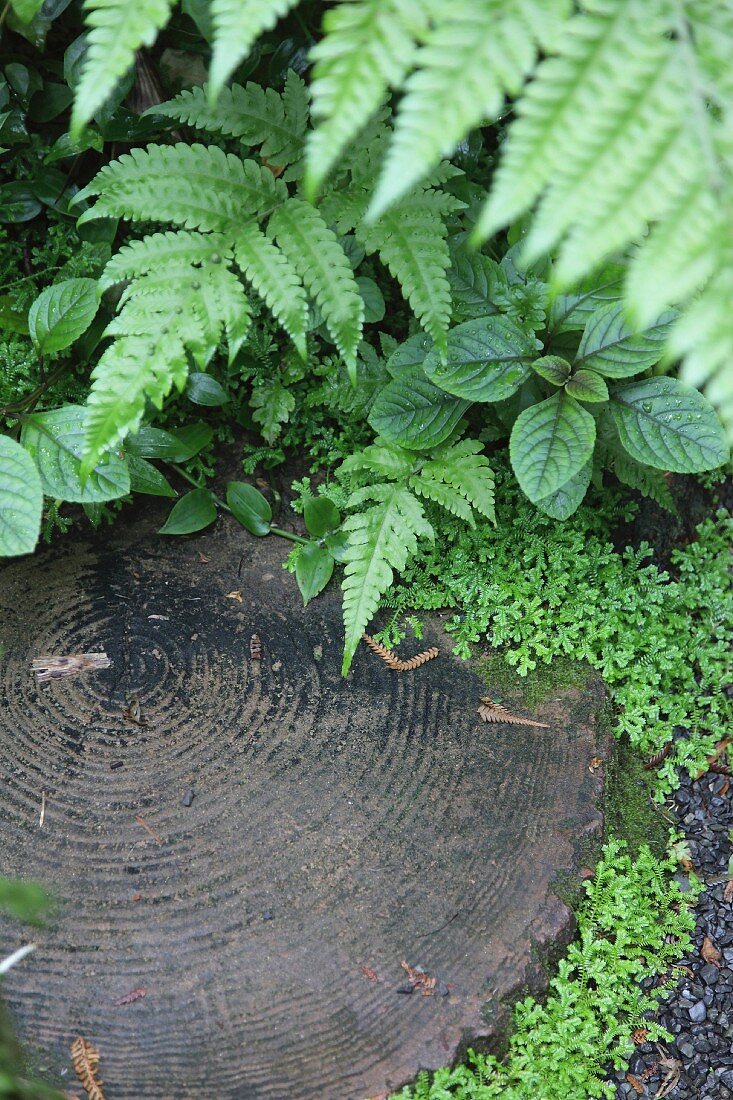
[673, 1071]
[59, 668]
[489, 711]
[639, 1036]
[595, 764]
[203, 559]
[418, 979]
[130, 998]
[396, 663]
[236, 595]
[369, 973]
[710, 952]
[635, 1084]
[728, 892]
[146, 827]
[85, 1060]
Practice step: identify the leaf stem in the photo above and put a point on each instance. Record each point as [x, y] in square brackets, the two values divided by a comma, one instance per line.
[289, 535]
[197, 485]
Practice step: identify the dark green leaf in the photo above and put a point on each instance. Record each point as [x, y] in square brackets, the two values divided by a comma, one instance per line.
[21, 499]
[321, 516]
[250, 507]
[26, 10]
[409, 354]
[374, 307]
[553, 369]
[193, 512]
[670, 426]
[18, 203]
[11, 318]
[586, 385]
[53, 99]
[337, 542]
[611, 347]
[145, 478]
[202, 389]
[487, 359]
[61, 313]
[414, 413]
[550, 443]
[568, 498]
[56, 440]
[570, 312]
[313, 570]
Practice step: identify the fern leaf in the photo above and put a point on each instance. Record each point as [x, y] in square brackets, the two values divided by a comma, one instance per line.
[381, 539]
[367, 48]
[276, 280]
[607, 137]
[382, 458]
[223, 297]
[194, 186]
[444, 495]
[162, 252]
[255, 115]
[411, 242]
[237, 25]
[315, 253]
[118, 28]
[703, 338]
[465, 468]
[650, 483]
[130, 372]
[474, 55]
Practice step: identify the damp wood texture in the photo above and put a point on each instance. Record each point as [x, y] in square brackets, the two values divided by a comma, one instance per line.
[339, 828]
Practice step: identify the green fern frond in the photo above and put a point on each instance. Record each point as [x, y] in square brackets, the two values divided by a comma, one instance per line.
[381, 539]
[381, 458]
[255, 115]
[224, 298]
[411, 242]
[315, 253]
[194, 186]
[118, 28]
[703, 338]
[650, 483]
[474, 55]
[606, 136]
[463, 466]
[444, 495]
[276, 281]
[367, 49]
[130, 372]
[237, 25]
[164, 251]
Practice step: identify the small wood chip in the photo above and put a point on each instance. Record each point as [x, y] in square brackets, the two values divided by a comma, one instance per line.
[710, 952]
[234, 596]
[635, 1084]
[130, 998]
[59, 668]
[369, 973]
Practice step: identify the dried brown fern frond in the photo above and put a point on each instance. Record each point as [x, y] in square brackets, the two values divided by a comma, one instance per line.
[393, 661]
[85, 1060]
[495, 712]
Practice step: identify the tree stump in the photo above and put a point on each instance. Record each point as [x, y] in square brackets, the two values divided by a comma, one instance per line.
[259, 844]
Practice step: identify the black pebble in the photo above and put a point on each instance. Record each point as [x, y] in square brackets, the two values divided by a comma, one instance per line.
[405, 988]
[188, 797]
[442, 989]
[115, 765]
[267, 915]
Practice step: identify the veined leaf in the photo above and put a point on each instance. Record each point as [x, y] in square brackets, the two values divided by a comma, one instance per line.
[553, 368]
[668, 425]
[550, 443]
[56, 441]
[313, 570]
[414, 413]
[586, 385]
[612, 348]
[191, 513]
[568, 498]
[249, 507]
[21, 499]
[487, 360]
[61, 313]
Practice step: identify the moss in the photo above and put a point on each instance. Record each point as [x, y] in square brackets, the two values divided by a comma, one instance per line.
[502, 681]
[629, 810]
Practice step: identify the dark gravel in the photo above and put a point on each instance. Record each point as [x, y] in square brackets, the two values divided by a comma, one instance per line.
[699, 1013]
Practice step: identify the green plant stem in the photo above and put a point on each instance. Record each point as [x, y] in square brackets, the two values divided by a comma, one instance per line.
[225, 507]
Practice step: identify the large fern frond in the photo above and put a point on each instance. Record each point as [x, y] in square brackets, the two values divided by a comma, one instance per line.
[275, 279]
[381, 539]
[194, 186]
[367, 49]
[314, 251]
[411, 240]
[255, 115]
[118, 28]
[237, 25]
[475, 54]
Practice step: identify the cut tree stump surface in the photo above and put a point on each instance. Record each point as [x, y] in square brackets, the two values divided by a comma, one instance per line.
[335, 825]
